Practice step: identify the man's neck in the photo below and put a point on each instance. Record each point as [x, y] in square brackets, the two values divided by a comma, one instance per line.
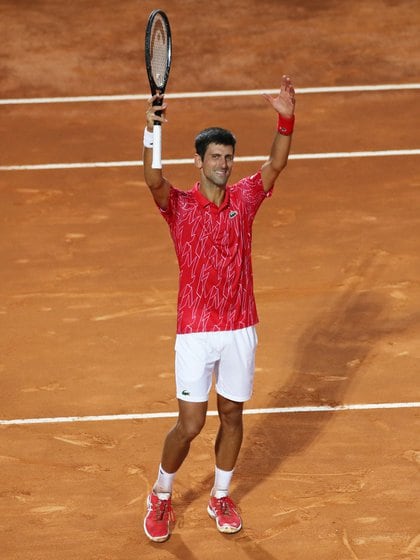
[213, 193]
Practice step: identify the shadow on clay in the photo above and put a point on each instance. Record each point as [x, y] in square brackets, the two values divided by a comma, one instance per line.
[329, 354]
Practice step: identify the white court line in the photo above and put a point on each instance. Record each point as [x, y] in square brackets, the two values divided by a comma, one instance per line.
[184, 161]
[155, 415]
[203, 94]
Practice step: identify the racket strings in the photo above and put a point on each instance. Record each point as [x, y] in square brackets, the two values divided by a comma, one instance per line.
[159, 51]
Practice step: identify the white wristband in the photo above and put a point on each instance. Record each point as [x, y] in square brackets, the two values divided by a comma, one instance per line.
[148, 139]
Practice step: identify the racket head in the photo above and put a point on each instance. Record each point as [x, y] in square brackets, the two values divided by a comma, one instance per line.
[158, 51]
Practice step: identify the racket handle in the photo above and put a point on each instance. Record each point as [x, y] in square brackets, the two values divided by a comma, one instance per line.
[157, 147]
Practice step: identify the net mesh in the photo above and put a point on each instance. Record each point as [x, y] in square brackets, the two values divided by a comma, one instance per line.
[159, 50]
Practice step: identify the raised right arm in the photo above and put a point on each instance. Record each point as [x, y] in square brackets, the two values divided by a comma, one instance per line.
[158, 185]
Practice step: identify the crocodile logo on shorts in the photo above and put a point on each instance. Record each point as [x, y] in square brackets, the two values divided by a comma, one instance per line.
[185, 393]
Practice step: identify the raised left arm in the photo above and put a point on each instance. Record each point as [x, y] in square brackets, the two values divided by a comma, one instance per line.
[284, 105]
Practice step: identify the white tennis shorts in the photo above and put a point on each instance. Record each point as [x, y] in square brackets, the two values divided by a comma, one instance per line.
[229, 355]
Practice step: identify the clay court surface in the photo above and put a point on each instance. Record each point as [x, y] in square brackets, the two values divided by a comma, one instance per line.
[329, 468]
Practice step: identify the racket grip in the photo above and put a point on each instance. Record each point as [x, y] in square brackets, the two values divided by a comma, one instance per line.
[157, 147]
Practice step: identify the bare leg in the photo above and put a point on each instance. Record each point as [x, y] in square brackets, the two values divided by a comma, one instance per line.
[159, 516]
[191, 419]
[229, 436]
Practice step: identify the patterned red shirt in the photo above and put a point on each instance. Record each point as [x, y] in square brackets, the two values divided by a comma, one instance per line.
[213, 246]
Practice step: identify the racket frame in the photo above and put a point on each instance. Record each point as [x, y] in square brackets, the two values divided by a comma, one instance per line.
[155, 88]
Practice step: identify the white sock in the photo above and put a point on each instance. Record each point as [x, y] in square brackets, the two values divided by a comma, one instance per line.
[163, 484]
[222, 481]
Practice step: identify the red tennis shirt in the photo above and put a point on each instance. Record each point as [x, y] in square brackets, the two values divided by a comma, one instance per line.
[213, 247]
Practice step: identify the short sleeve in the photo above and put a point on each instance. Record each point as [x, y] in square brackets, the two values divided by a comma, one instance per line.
[172, 205]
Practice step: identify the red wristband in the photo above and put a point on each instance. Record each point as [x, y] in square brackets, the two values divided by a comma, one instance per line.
[285, 125]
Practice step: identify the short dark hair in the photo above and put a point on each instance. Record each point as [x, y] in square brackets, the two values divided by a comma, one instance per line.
[213, 135]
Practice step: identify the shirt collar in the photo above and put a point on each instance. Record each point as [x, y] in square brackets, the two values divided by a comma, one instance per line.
[203, 201]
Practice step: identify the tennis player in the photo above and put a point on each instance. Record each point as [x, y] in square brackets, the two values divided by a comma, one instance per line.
[211, 227]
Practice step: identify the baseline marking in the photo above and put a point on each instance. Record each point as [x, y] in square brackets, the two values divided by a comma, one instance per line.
[149, 416]
[201, 94]
[184, 161]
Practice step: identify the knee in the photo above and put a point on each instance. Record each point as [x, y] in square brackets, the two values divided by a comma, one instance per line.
[188, 430]
[231, 418]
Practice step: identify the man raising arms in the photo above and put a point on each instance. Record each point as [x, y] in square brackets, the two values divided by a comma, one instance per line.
[211, 227]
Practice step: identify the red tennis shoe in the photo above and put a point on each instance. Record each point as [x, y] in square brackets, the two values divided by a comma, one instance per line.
[225, 513]
[158, 518]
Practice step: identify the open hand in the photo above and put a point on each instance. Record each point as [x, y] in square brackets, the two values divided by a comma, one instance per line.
[284, 102]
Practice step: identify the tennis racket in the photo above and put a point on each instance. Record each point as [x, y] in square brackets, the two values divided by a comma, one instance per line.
[158, 54]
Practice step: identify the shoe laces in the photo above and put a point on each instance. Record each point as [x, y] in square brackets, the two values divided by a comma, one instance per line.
[162, 510]
[225, 505]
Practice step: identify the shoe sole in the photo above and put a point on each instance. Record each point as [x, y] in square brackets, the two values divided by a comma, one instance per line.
[223, 528]
[155, 539]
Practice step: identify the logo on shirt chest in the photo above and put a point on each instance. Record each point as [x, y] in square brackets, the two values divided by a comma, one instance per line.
[232, 214]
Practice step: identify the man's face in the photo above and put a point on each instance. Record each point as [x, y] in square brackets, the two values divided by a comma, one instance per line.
[217, 164]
